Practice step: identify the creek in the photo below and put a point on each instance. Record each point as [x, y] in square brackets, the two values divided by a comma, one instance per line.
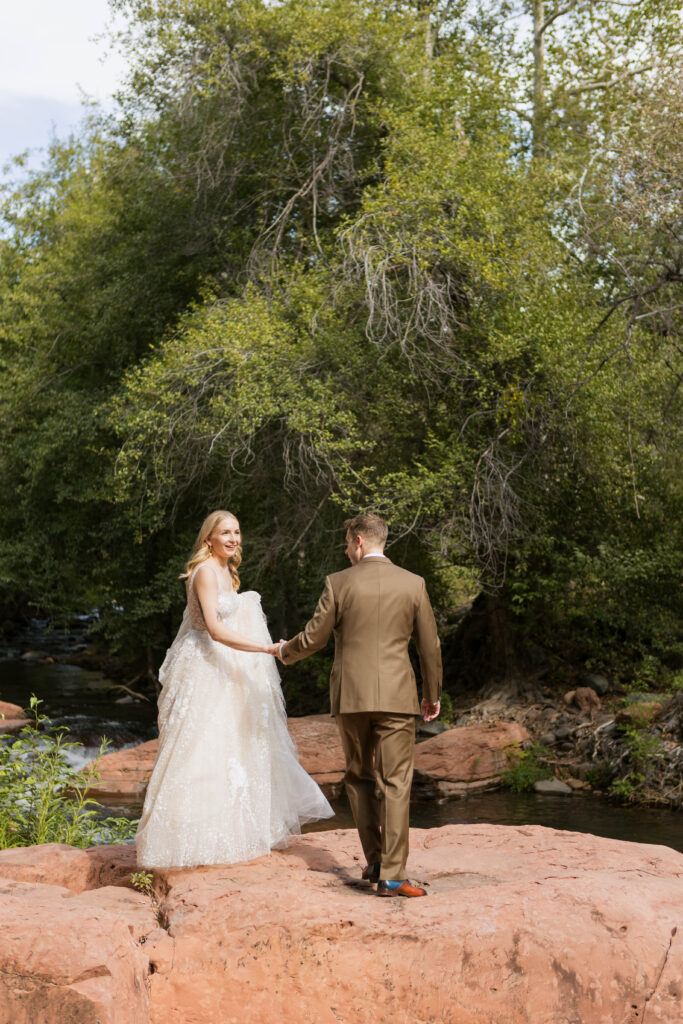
[86, 702]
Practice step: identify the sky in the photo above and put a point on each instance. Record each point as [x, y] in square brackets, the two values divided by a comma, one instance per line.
[48, 59]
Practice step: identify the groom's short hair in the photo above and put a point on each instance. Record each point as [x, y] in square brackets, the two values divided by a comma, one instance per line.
[369, 526]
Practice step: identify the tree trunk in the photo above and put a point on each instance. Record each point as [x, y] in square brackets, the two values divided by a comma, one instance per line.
[538, 114]
[425, 12]
[486, 655]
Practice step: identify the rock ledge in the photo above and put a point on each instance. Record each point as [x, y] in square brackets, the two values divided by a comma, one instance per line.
[522, 925]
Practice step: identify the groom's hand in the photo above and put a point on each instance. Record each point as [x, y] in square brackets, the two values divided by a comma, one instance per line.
[281, 644]
[430, 711]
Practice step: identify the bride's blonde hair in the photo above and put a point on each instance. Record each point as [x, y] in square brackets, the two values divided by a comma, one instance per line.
[202, 550]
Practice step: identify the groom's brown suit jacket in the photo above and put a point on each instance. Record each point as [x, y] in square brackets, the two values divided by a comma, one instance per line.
[373, 608]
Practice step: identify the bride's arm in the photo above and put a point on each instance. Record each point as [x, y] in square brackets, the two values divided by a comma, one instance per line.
[206, 588]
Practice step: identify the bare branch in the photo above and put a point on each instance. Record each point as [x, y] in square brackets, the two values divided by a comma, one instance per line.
[560, 13]
[617, 80]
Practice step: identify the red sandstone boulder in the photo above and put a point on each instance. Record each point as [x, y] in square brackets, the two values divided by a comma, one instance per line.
[124, 774]
[76, 958]
[319, 747]
[12, 718]
[456, 761]
[69, 867]
[469, 758]
[522, 925]
[584, 698]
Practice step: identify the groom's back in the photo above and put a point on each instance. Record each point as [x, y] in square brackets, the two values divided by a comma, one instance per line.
[378, 606]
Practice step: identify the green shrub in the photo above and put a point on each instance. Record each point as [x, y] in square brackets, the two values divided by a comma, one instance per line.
[600, 775]
[448, 713]
[526, 767]
[645, 755]
[43, 799]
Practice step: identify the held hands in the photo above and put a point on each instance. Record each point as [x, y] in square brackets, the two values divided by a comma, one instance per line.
[430, 711]
[274, 649]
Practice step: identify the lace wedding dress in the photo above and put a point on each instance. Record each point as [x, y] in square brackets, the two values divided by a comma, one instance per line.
[227, 785]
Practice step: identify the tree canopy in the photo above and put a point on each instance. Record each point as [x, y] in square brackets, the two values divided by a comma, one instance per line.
[328, 255]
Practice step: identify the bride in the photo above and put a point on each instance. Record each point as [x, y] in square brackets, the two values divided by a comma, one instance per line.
[227, 785]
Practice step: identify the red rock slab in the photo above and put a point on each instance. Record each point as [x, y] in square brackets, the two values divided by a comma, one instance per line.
[69, 867]
[12, 718]
[124, 775]
[319, 747]
[521, 926]
[73, 959]
[9, 711]
[473, 757]
[466, 758]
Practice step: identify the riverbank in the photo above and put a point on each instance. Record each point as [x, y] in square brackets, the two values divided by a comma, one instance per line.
[626, 746]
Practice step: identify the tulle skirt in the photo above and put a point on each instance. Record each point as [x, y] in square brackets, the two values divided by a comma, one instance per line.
[227, 785]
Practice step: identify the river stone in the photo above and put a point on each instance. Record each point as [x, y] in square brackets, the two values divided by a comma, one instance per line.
[431, 728]
[69, 867]
[74, 957]
[11, 711]
[554, 786]
[584, 698]
[577, 783]
[563, 732]
[597, 683]
[36, 656]
[468, 758]
[12, 718]
[548, 739]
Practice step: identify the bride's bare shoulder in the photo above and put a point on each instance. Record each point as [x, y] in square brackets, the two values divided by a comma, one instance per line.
[203, 574]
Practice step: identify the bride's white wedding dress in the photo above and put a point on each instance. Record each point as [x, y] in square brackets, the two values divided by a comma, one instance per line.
[227, 785]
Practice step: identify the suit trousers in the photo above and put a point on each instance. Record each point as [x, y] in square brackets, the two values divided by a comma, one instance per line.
[379, 747]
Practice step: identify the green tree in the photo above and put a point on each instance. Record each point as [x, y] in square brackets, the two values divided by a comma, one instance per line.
[312, 265]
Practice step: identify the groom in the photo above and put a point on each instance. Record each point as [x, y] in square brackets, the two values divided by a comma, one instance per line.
[373, 608]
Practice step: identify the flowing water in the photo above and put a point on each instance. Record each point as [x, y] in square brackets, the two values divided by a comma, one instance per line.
[86, 702]
[83, 700]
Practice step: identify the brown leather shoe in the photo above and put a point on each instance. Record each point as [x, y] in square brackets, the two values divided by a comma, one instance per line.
[370, 872]
[406, 888]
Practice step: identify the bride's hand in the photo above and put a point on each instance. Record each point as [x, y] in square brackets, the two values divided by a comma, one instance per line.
[273, 649]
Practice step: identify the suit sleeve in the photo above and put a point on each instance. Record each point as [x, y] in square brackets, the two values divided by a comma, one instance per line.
[428, 648]
[316, 632]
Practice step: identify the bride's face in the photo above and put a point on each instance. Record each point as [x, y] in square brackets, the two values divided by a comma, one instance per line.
[225, 538]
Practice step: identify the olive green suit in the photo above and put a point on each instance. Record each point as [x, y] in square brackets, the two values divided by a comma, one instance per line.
[373, 608]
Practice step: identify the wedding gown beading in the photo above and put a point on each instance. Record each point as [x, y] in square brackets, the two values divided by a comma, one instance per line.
[227, 785]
